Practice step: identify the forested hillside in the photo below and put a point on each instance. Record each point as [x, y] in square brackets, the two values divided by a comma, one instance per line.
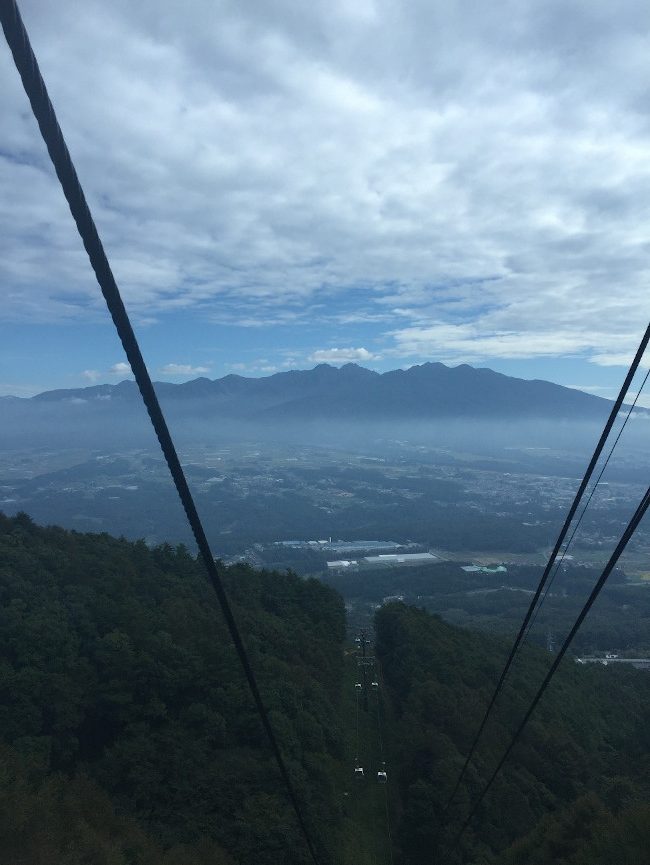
[498, 601]
[575, 787]
[128, 736]
[127, 729]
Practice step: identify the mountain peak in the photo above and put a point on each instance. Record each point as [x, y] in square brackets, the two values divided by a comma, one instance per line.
[353, 392]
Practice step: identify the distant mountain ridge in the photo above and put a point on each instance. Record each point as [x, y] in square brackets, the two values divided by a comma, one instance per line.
[353, 392]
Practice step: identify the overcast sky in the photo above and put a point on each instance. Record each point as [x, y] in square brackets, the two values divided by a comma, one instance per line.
[281, 183]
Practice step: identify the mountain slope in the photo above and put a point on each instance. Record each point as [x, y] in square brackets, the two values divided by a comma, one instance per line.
[116, 664]
[583, 756]
[127, 734]
[435, 390]
[431, 390]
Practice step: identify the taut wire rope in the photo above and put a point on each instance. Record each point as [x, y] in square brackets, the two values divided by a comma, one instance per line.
[43, 110]
[616, 407]
[609, 567]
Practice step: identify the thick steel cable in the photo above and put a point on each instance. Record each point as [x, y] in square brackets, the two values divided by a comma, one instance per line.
[356, 691]
[574, 531]
[379, 735]
[388, 830]
[36, 91]
[379, 696]
[560, 540]
[609, 567]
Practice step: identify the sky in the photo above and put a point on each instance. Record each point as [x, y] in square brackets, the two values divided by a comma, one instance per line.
[280, 184]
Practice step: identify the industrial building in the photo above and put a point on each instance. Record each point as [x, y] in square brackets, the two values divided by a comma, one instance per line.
[330, 546]
[384, 560]
[401, 559]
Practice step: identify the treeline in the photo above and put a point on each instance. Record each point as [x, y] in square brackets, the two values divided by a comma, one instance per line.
[125, 721]
[576, 788]
[619, 622]
[497, 602]
[291, 503]
[415, 581]
[128, 736]
[266, 517]
[448, 578]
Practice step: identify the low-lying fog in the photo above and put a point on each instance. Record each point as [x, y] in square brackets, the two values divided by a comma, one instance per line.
[72, 425]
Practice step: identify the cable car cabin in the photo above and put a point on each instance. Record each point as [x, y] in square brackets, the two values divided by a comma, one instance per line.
[358, 773]
[374, 686]
[382, 777]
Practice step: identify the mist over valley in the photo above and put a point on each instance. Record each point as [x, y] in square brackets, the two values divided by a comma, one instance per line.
[459, 478]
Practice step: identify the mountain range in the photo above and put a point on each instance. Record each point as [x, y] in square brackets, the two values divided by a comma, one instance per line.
[351, 392]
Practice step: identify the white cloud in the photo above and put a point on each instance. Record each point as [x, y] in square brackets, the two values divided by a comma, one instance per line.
[472, 342]
[118, 369]
[183, 369]
[342, 355]
[618, 359]
[486, 175]
[260, 365]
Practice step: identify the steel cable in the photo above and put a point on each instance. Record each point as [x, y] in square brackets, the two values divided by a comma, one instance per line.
[609, 567]
[380, 736]
[542, 582]
[558, 564]
[27, 66]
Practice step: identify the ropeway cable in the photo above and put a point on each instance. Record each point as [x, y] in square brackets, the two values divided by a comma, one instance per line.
[43, 110]
[383, 766]
[356, 691]
[560, 540]
[609, 567]
[558, 564]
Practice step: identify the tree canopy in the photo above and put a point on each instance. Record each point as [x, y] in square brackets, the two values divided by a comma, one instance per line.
[116, 671]
[583, 755]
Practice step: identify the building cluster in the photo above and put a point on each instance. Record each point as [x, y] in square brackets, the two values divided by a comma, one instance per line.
[330, 546]
[384, 560]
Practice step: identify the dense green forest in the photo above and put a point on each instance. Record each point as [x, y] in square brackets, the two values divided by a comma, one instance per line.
[497, 602]
[128, 736]
[119, 691]
[575, 787]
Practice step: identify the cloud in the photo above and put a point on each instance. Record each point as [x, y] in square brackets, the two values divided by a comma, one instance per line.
[342, 355]
[118, 369]
[485, 176]
[618, 359]
[516, 334]
[183, 369]
[473, 342]
[261, 365]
